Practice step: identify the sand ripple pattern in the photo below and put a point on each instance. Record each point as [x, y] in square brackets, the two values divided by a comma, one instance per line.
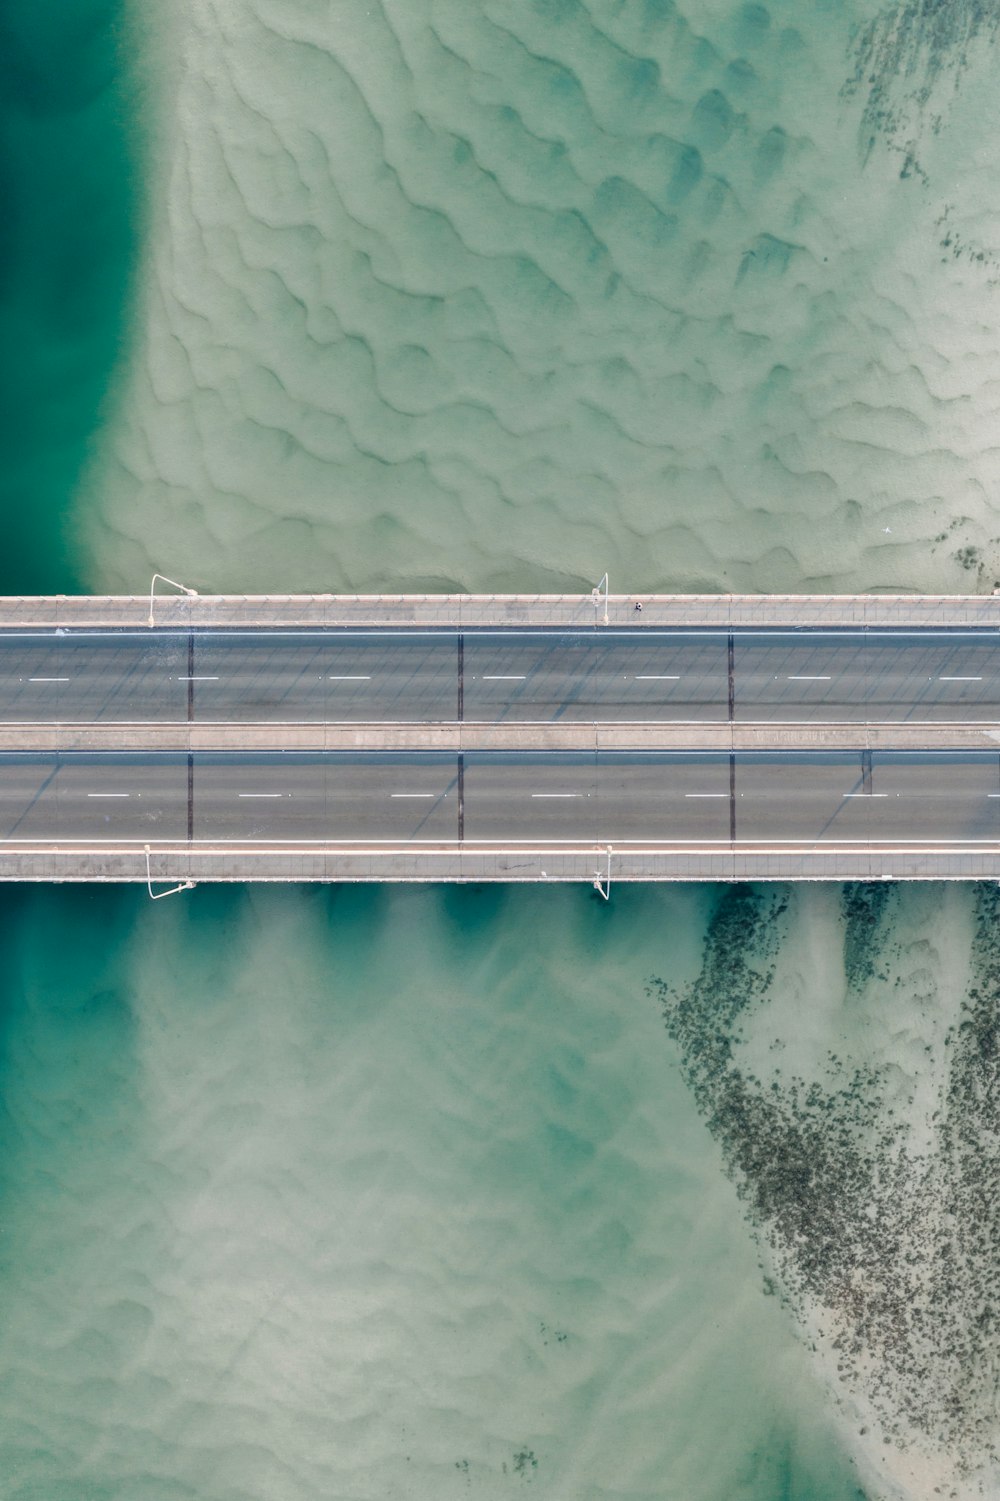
[502, 295]
[372, 1195]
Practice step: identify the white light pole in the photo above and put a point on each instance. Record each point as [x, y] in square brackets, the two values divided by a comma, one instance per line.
[182, 588]
[155, 895]
[596, 593]
[604, 885]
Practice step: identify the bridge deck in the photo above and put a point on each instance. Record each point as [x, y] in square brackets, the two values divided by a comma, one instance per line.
[474, 738]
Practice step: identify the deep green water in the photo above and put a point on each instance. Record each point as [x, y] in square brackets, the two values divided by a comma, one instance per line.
[404, 1193]
[69, 209]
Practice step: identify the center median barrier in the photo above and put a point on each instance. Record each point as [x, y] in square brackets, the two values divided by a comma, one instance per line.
[183, 736]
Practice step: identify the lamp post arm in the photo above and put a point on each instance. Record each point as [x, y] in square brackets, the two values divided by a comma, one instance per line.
[181, 588]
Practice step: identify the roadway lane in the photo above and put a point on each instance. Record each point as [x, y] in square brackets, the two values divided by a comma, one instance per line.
[899, 798]
[543, 798]
[935, 797]
[662, 798]
[374, 677]
[82, 799]
[652, 675]
[278, 797]
[565, 797]
[801, 798]
[561, 797]
[510, 677]
[96, 676]
[878, 676]
[398, 799]
[274, 676]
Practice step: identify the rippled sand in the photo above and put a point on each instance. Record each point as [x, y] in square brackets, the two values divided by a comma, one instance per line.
[505, 295]
[369, 1193]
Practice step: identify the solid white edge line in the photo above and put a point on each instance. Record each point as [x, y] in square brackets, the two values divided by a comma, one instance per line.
[781, 724]
[472, 847]
[640, 632]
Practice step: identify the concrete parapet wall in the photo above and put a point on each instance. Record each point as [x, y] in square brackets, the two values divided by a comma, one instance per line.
[170, 864]
[499, 611]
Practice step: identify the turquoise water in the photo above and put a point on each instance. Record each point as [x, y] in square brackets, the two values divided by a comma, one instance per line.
[431, 1193]
[69, 219]
[366, 1193]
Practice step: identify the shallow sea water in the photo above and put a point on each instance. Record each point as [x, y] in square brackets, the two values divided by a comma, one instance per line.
[375, 1193]
[505, 295]
[313, 1194]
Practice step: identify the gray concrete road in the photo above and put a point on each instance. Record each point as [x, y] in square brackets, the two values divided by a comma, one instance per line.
[903, 798]
[305, 798]
[275, 676]
[371, 798]
[788, 798]
[92, 798]
[563, 798]
[500, 677]
[807, 675]
[326, 677]
[553, 799]
[524, 676]
[93, 676]
[952, 798]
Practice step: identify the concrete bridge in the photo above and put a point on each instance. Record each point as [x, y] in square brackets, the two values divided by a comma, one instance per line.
[511, 738]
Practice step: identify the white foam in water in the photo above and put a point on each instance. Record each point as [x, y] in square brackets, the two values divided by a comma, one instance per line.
[500, 296]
